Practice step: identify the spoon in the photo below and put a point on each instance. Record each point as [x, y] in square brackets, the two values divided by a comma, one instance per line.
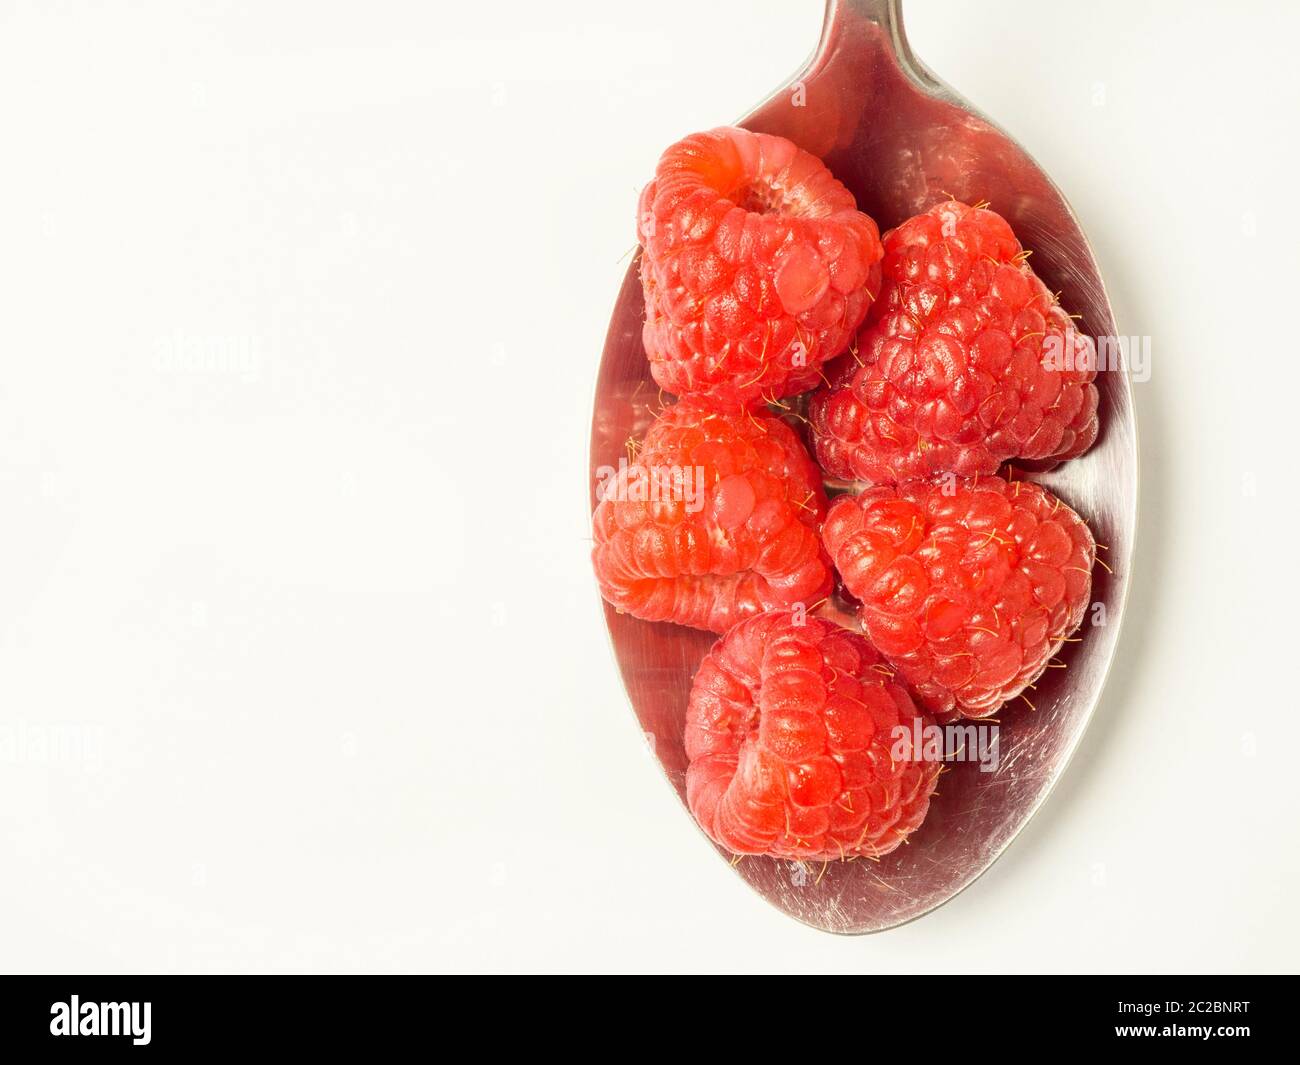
[902, 141]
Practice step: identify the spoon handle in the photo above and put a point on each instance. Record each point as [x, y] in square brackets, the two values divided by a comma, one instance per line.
[858, 20]
[887, 13]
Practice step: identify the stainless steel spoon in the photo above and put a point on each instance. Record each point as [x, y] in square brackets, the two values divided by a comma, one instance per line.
[901, 140]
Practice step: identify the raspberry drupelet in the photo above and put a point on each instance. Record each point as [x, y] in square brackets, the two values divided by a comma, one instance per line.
[966, 587]
[965, 360]
[757, 268]
[716, 520]
[801, 746]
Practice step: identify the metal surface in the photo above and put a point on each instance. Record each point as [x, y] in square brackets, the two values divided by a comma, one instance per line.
[902, 141]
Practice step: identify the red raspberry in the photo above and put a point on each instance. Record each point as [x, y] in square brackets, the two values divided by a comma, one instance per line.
[966, 360]
[757, 268]
[790, 730]
[967, 587]
[716, 520]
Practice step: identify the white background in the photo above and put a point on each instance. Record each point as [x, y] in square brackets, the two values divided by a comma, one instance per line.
[301, 664]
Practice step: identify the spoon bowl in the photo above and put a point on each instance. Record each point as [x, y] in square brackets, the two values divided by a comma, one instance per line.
[902, 141]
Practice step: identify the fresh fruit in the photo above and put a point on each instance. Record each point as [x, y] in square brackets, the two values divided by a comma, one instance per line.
[757, 268]
[801, 746]
[967, 587]
[715, 520]
[965, 361]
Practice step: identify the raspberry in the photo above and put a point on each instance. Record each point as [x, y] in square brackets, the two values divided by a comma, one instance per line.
[790, 732]
[966, 360]
[716, 520]
[757, 268]
[966, 587]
